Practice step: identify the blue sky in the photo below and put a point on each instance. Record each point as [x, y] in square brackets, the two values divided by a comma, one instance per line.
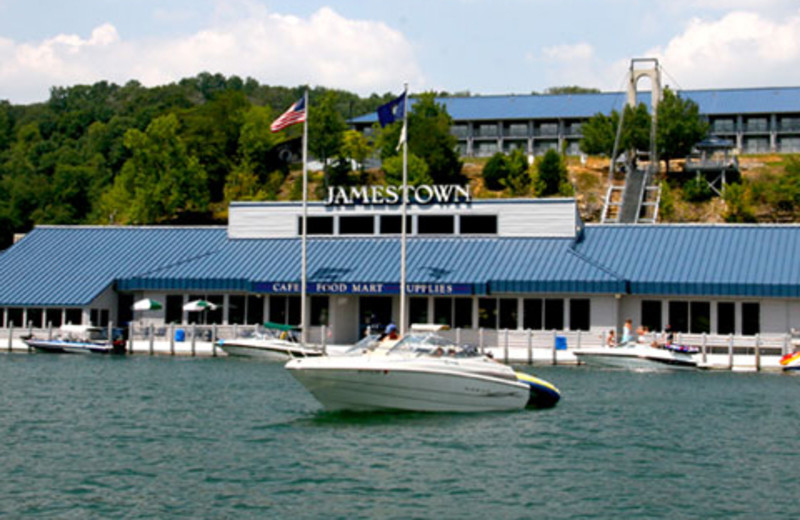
[480, 46]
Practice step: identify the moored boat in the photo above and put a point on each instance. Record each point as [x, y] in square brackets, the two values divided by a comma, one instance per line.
[420, 373]
[791, 362]
[80, 339]
[276, 342]
[640, 356]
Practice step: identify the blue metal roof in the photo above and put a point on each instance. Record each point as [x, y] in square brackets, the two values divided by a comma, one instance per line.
[70, 266]
[582, 106]
[721, 260]
[488, 264]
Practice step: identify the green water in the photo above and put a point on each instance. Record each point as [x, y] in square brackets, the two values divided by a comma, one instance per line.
[139, 437]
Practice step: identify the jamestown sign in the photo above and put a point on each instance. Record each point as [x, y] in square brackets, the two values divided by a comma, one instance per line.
[422, 194]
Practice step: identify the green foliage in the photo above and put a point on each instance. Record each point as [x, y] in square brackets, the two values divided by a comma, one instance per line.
[417, 170]
[697, 190]
[571, 89]
[356, 146]
[599, 133]
[159, 182]
[494, 171]
[509, 172]
[666, 208]
[738, 204]
[635, 129]
[429, 139]
[325, 129]
[679, 127]
[551, 176]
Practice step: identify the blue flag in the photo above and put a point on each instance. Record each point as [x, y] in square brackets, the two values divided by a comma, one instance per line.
[392, 111]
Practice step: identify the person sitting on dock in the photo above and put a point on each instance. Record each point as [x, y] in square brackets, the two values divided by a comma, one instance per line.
[611, 339]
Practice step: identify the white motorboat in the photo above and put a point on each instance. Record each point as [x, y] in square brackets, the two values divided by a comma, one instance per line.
[80, 339]
[419, 373]
[276, 342]
[640, 356]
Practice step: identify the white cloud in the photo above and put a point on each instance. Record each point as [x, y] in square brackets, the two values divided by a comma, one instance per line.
[324, 49]
[569, 53]
[741, 49]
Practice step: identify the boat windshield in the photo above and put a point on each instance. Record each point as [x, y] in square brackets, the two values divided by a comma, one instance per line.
[271, 333]
[433, 346]
[365, 344]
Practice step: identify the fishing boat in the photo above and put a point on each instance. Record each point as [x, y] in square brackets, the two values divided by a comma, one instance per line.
[275, 342]
[80, 339]
[423, 373]
[640, 356]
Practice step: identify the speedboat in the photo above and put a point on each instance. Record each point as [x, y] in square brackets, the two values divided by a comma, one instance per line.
[423, 373]
[80, 339]
[791, 362]
[276, 342]
[640, 356]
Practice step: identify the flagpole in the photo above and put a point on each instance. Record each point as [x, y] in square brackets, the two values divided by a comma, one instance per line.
[303, 288]
[404, 211]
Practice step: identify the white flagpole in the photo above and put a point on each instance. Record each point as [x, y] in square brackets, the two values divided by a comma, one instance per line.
[403, 221]
[303, 288]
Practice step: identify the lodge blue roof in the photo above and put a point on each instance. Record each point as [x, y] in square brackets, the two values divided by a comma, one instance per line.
[582, 106]
[70, 266]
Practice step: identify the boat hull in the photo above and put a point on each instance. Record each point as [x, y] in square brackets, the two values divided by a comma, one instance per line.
[640, 357]
[71, 347]
[394, 387]
[268, 350]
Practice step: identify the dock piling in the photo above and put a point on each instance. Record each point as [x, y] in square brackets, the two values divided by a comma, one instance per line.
[214, 340]
[505, 346]
[703, 346]
[530, 347]
[151, 334]
[730, 352]
[758, 352]
[194, 337]
[555, 350]
[10, 335]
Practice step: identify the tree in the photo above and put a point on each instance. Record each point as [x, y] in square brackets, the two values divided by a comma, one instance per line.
[496, 169]
[429, 138]
[679, 127]
[356, 146]
[552, 178]
[599, 133]
[508, 172]
[417, 170]
[571, 89]
[738, 204]
[159, 182]
[325, 129]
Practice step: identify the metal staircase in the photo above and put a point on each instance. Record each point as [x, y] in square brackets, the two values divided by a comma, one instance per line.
[636, 201]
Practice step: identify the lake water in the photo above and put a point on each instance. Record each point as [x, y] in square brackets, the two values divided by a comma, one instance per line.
[142, 437]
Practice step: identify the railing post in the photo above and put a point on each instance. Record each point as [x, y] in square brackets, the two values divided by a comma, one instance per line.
[171, 339]
[505, 347]
[555, 353]
[324, 340]
[458, 336]
[578, 345]
[235, 330]
[10, 335]
[214, 340]
[758, 352]
[730, 352]
[152, 334]
[786, 340]
[194, 338]
[480, 340]
[49, 330]
[130, 338]
[705, 359]
[530, 347]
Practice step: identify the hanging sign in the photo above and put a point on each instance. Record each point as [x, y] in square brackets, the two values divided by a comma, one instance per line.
[388, 195]
[412, 289]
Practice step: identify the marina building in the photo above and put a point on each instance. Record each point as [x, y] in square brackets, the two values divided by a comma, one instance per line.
[476, 265]
[756, 120]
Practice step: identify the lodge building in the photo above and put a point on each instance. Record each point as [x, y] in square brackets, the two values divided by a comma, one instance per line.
[473, 264]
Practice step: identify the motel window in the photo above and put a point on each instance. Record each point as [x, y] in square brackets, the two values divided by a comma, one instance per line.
[478, 224]
[174, 310]
[14, 317]
[487, 313]
[651, 315]
[726, 318]
[255, 309]
[418, 310]
[443, 311]
[554, 314]
[316, 226]
[53, 316]
[390, 224]
[435, 225]
[751, 319]
[700, 317]
[73, 316]
[236, 309]
[319, 311]
[508, 313]
[579, 314]
[35, 317]
[463, 313]
[360, 225]
[679, 316]
[532, 313]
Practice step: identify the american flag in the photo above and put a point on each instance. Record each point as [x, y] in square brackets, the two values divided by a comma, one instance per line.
[295, 114]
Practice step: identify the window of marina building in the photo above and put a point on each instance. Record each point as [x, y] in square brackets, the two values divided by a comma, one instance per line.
[478, 224]
[14, 317]
[651, 315]
[74, 315]
[245, 309]
[751, 318]
[357, 225]
[391, 224]
[726, 318]
[579, 314]
[53, 316]
[319, 311]
[696, 317]
[435, 224]
[316, 225]
[99, 317]
[454, 312]
[418, 310]
[34, 317]
[284, 309]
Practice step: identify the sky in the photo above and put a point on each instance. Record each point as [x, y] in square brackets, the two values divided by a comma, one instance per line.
[478, 46]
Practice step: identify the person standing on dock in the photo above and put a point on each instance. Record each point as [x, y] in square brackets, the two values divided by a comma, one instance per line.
[627, 332]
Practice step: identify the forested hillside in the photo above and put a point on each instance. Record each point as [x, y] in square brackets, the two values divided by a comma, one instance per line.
[90, 154]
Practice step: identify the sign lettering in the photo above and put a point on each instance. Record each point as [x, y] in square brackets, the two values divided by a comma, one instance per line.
[380, 195]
